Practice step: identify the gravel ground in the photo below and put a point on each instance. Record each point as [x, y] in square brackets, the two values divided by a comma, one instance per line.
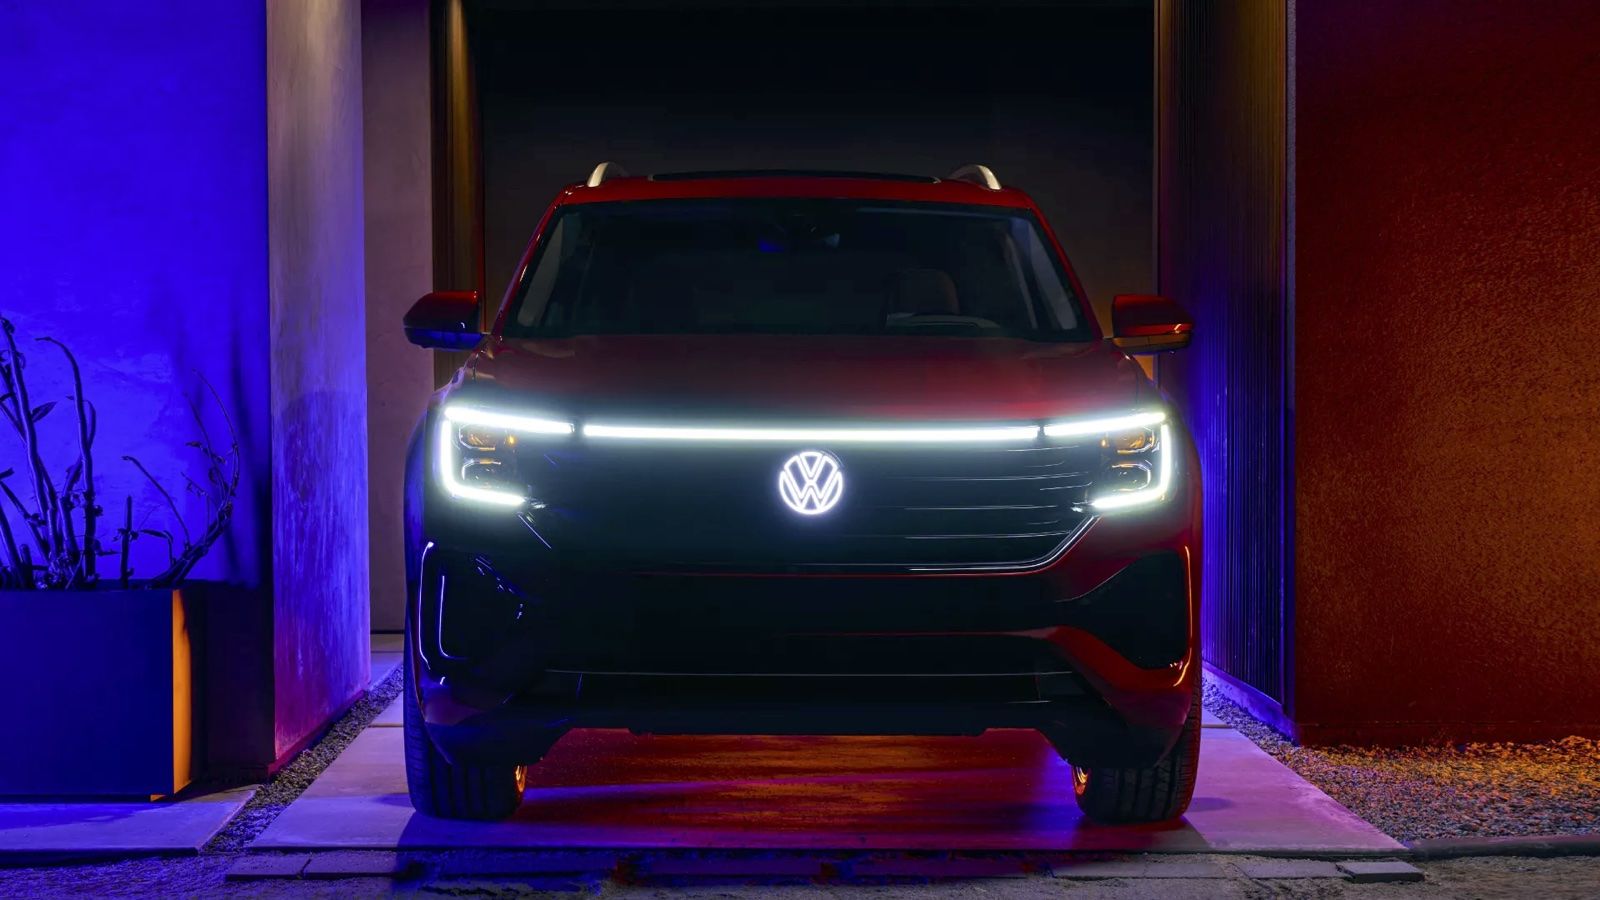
[1466, 790]
[274, 796]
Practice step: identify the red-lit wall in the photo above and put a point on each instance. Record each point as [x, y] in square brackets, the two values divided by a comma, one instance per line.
[1446, 219]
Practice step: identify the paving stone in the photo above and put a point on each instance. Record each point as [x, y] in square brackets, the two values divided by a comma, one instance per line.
[1367, 871]
[734, 867]
[88, 830]
[1288, 868]
[507, 865]
[1098, 870]
[392, 716]
[701, 793]
[359, 865]
[1139, 869]
[383, 665]
[1184, 869]
[261, 868]
[513, 885]
[934, 867]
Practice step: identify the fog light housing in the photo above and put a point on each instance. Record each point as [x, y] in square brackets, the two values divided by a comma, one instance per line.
[1127, 476]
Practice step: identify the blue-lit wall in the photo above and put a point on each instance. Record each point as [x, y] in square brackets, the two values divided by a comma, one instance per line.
[133, 205]
[182, 199]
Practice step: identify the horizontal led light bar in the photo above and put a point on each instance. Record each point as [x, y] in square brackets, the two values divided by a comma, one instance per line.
[890, 435]
[1157, 491]
[455, 416]
[1102, 426]
[470, 415]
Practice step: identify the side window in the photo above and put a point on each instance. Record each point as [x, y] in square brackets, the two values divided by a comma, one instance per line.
[543, 282]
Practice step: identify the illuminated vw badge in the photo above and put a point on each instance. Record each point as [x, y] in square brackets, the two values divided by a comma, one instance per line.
[811, 482]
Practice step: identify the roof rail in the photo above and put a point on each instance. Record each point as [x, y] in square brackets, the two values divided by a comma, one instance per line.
[979, 175]
[603, 171]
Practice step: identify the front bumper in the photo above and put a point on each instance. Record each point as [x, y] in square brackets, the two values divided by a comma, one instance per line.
[1097, 650]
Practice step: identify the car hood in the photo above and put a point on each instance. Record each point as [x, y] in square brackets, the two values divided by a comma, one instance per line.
[809, 377]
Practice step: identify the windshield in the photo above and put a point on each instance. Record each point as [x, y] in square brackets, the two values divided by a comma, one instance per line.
[795, 266]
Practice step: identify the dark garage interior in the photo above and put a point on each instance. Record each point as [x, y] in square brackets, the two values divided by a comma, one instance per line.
[1061, 104]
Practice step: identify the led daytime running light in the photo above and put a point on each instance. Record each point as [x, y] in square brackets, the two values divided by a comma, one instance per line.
[932, 435]
[469, 415]
[1102, 426]
[454, 416]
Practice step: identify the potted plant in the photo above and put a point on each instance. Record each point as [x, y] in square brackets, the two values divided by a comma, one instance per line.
[103, 670]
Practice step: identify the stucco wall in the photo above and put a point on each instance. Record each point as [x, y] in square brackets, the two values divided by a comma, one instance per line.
[399, 269]
[318, 372]
[133, 189]
[1448, 263]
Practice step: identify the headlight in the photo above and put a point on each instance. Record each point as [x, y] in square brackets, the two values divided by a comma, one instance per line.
[1136, 458]
[1137, 468]
[477, 453]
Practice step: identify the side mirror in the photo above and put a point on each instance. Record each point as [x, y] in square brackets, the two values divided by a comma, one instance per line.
[1146, 323]
[447, 320]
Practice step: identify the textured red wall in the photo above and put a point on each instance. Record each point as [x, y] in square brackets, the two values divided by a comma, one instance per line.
[1447, 222]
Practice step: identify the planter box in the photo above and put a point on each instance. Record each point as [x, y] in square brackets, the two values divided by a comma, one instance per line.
[101, 696]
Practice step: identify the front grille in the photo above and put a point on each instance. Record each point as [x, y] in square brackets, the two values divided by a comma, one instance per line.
[704, 506]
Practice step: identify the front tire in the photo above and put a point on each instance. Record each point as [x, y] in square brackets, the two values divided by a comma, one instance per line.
[444, 789]
[1117, 796]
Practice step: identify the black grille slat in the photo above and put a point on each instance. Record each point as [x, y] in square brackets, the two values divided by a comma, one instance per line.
[651, 505]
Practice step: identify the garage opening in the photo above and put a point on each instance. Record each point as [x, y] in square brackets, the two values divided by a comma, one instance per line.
[1057, 99]
[1114, 115]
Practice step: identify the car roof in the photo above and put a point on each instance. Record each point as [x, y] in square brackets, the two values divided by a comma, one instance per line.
[777, 183]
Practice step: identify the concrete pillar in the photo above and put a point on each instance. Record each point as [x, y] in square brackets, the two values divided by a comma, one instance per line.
[318, 333]
[399, 269]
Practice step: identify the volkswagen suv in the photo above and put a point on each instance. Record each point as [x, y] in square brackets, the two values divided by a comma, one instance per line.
[800, 453]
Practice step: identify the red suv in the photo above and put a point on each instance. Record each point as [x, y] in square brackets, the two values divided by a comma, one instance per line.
[807, 453]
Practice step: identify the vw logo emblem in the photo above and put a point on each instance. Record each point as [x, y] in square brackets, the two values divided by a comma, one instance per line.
[811, 482]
